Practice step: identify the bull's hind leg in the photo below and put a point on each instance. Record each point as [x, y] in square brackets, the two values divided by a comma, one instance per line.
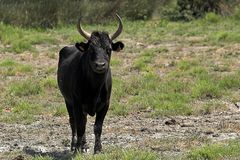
[72, 124]
[98, 128]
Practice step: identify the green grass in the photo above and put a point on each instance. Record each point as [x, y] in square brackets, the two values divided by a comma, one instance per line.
[115, 62]
[173, 94]
[231, 81]
[20, 40]
[19, 46]
[49, 82]
[206, 89]
[26, 87]
[229, 150]
[139, 86]
[185, 65]
[149, 91]
[110, 154]
[9, 67]
[189, 80]
[21, 112]
[50, 70]
[117, 106]
[143, 60]
[121, 154]
[8, 63]
[60, 111]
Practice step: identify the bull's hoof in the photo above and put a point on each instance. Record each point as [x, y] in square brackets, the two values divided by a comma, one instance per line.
[73, 148]
[73, 144]
[84, 148]
[77, 151]
[81, 149]
[97, 149]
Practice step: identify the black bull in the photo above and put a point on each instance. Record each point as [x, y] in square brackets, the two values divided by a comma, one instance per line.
[84, 78]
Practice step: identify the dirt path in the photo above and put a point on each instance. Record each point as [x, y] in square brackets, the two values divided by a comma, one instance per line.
[50, 135]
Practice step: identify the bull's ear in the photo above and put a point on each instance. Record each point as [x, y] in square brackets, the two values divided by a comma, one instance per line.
[118, 46]
[82, 46]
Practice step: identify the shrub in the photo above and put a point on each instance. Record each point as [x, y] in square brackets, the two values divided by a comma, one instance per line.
[190, 9]
[47, 14]
[212, 17]
[236, 14]
[139, 10]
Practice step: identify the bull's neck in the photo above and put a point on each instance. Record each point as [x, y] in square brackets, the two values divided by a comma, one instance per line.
[95, 80]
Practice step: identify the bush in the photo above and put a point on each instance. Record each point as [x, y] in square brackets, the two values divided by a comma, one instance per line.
[29, 13]
[190, 9]
[47, 14]
[212, 17]
[135, 10]
[236, 14]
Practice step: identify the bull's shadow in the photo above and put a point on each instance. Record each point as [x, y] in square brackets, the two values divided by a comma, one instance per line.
[55, 155]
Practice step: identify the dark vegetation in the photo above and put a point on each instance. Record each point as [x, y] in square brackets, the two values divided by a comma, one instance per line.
[189, 9]
[35, 13]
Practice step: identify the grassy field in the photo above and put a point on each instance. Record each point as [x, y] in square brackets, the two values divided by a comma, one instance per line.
[166, 69]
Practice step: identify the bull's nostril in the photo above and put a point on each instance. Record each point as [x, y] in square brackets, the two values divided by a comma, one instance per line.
[100, 64]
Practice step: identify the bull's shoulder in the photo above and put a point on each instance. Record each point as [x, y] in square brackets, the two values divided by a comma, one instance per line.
[68, 52]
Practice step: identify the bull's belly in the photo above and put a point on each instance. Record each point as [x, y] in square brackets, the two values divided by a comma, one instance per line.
[91, 109]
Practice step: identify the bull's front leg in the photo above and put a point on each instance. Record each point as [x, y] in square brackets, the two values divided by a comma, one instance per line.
[98, 128]
[81, 120]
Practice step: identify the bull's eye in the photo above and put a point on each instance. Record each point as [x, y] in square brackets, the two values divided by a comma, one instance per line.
[108, 50]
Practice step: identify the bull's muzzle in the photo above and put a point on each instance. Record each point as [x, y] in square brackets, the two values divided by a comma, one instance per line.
[99, 66]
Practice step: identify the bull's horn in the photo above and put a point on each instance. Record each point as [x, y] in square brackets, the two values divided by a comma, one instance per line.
[81, 31]
[120, 28]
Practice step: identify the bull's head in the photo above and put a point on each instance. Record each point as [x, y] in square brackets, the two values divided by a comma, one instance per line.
[99, 47]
